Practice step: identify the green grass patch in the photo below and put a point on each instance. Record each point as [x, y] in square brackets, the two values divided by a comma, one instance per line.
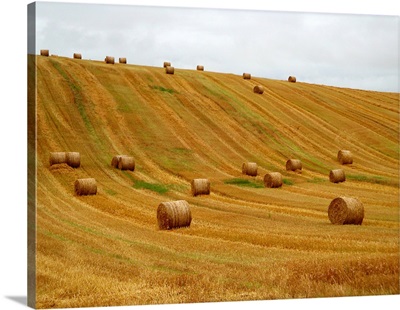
[163, 89]
[155, 187]
[316, 180]
[110, 192]
[375, 179]
[244, 182]
[287, 182]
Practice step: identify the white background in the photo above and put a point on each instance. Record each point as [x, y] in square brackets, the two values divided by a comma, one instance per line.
[13, 114]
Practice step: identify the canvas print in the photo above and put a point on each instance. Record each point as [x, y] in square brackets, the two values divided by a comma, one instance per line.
[184, 155]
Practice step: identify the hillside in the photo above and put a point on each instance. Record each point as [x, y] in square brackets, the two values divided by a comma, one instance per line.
[245, 241]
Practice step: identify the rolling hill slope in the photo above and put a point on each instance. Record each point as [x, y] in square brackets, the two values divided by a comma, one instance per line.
[245, 241]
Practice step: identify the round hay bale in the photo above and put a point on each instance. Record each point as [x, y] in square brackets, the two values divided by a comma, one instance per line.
[169, 70]
[258, 89]
[86, 186]
[109, 60]
[293, 165]
[249, 169]
[122, 60]
[346, 210]
[44, 53]
[173, 214]
[200, 187]
[57, 158]
[273, 180]
[337, 176]
[292, 79]
[247, 76]
[115, 160]
[73, 159]
[77, 56]
[167, 64]
[126, 163]
[345, 157]
[200, 68]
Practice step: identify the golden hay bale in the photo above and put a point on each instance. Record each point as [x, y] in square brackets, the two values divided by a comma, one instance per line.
[57, 158]
[273, 180]
[249, 169]
[337, 176]
[293, 165]
[247, 76]
[346, 210]
[345, 157]
[86, 186]
[44, 52]
[109, 60]
[292, 79]
[167, 64]
[200, 68]
[77, 56]
[115, 160]
[73, 159]
[169, 70]
[173, 214]
[258, 89]
[122, 60]
[200, 187]
[126, 163]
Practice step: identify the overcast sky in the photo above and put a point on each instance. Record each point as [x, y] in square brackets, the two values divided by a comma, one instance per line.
[346, 50]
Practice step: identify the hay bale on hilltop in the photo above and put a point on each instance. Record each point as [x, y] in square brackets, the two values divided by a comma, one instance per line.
[250, 169]
[122, 60]
[174, 214]
[292, 79]
[126, 163]
[167, 64]
[346, 210]
[294, 165]
[57, 158]
[247, 76]
[109, 60]
[44, 53]
[200, 68]
[86, 186]
[258, 89]
[345, 157]
[169, 70]
[337, 176]
[200, 187]
[273, 180]
[77, 56]
[73, 159]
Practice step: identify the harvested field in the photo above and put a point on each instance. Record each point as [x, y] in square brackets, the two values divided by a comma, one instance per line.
[244, 242]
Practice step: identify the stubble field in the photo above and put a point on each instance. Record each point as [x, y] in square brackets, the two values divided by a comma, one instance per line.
[245, 242]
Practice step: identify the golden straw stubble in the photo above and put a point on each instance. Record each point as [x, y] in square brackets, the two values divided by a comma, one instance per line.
[346, 210]
[173, 214]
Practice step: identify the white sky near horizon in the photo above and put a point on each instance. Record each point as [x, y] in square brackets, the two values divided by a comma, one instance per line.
[345, 50]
